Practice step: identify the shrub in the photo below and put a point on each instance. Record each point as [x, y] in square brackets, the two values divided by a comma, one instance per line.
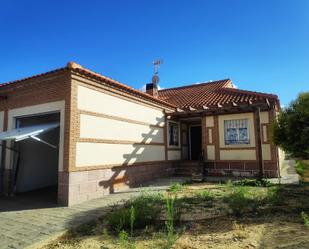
[139, 212]
[305, 219]
[253, 183]
[290, 129]
[274, 195]
[300, 167]
[176, 187]
[205, 195]
[238, 201]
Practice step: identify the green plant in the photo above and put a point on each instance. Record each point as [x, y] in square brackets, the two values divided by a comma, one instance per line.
[205, 195]
[176, 187]
[275, 195]
[132, 219]
[300, 167]
[290, 130]
[253, 183]
[239, 201]
[171, 237]
[147, 209]
[305, 219]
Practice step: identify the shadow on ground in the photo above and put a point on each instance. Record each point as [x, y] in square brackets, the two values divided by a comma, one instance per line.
[43, 198]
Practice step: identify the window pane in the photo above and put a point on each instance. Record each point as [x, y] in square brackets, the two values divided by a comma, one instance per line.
[236, 131]
[173, 134]
[243, 135]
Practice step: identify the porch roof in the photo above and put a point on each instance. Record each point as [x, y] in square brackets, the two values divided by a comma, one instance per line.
[215, 95]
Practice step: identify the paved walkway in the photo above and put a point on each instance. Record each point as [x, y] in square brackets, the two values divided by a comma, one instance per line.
[28, 225]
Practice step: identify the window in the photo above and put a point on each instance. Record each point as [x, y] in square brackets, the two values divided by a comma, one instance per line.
[173, 129]
[236, 131]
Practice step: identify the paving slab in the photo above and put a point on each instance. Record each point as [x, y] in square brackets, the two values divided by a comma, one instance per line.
[26, 225]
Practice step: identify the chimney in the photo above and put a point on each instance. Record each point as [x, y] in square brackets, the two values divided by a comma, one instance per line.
[152, 89]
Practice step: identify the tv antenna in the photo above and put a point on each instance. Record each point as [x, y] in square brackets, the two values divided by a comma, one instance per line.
[156, 66]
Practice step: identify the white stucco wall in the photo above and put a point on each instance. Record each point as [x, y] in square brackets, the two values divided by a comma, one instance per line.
[211, 152]
[96, 154]
[105, 128]
[125, 130]
[174, 155]
[95, 101]
[237, 155]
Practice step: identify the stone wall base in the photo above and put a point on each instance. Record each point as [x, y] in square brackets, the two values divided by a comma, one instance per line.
[241, 169]
[80, 186]
[227, 169]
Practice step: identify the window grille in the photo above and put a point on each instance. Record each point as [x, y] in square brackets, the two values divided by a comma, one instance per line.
[236, 131]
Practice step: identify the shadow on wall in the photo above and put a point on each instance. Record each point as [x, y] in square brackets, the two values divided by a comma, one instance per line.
[128, 176]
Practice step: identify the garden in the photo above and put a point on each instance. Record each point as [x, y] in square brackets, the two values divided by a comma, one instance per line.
[240, 214]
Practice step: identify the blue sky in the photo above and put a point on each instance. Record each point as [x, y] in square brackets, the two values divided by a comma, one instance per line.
[261, 45]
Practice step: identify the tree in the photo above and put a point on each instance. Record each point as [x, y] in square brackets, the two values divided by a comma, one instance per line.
[291, 129]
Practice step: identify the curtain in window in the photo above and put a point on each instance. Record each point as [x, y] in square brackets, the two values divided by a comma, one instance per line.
[236, 131]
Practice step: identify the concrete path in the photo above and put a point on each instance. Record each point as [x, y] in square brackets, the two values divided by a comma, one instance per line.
[29, 225]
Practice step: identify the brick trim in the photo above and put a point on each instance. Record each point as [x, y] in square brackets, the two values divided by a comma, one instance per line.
[109, 141]
[109, 166]
[102, 115]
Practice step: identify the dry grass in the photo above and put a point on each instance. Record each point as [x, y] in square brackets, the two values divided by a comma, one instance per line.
[207, 219]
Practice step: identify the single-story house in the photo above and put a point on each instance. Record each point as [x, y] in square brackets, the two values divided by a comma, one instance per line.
[90, 135]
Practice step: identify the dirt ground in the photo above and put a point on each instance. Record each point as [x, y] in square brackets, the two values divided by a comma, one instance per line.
[280, 229]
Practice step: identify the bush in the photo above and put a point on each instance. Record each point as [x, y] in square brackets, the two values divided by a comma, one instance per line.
[301, 167]
[305, 219]
[253, 183]
[239, 201]
[205, 195]
[290, 129]
[275, 196]
[146, 208]
[176, 187]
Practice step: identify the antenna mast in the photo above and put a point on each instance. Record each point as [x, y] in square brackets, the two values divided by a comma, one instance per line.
[156, 66]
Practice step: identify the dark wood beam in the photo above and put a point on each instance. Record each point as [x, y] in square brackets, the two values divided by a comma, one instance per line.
[259, 142]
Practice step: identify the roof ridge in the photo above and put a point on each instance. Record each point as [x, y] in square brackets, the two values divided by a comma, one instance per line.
[248, 92]
[78, 68]
[196, 85]
[75, 67]
[33, 76]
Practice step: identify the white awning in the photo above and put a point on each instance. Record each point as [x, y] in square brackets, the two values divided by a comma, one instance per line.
[27, 132]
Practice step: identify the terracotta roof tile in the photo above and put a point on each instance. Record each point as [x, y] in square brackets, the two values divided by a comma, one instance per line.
[215, 93]
[74, 67]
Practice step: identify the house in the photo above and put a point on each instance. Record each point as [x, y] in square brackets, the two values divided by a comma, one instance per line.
[90, 135]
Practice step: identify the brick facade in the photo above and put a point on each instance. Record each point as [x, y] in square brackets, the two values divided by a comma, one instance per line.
[80, 184]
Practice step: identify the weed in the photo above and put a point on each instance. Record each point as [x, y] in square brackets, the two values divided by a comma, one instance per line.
[176, 187]
[171, 237]
[132, 219]
[274, 196]
[205, 195]
[137, 213]
[229, 183]
[239, 230]
[239, 201]
[305, 219]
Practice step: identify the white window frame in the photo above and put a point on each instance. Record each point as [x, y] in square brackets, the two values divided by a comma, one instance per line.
[168, 134]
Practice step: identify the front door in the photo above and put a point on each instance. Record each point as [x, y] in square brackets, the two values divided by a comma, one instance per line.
[195, 142]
